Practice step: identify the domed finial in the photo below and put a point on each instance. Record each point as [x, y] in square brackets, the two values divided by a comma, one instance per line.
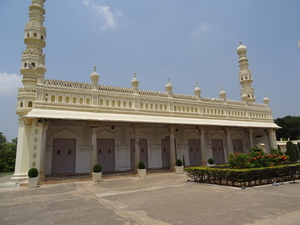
[169, 86]
[95, 78]
[240, 41]
[95, 68]
[222, 93]
[135, 82]
[266, 100]
[197, 91]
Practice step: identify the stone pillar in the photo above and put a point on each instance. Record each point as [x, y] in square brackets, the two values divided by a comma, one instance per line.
[272, 140]
[136, 150]
[202, 149]
[250, 131]
[94, 155]
[22, 158]
[43, 152]
[172, 148]
[136, 130]
[229, 141]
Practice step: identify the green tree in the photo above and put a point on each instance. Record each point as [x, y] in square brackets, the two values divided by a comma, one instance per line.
[290, 127]
[7, 154]
[291, 151]
[297, 150]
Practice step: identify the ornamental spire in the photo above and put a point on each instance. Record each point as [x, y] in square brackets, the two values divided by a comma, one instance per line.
[35, 36]
[245, 75]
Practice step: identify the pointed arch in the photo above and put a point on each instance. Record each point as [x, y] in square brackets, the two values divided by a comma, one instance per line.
[64, 132]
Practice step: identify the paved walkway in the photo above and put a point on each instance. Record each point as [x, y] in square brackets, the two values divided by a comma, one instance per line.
[158, 199]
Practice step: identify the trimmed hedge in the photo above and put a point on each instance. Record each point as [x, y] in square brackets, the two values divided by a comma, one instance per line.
[141, 165]
[178, 162]
[33, 172]
[246, 177]
[97, 168]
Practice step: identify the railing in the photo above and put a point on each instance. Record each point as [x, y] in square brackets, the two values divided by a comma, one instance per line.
[67, 84]
[113, 89]
[153, 93]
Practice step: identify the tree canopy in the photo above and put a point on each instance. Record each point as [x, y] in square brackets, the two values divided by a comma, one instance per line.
[7, 154]
[290, 128]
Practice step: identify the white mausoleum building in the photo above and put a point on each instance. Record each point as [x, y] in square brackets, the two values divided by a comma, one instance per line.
[67, 127]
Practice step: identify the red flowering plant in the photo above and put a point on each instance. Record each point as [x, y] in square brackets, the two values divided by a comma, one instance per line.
[256, 158]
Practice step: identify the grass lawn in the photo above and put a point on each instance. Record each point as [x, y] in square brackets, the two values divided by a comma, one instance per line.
[3, 174]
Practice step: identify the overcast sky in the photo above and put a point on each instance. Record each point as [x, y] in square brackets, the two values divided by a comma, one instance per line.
[186, 40]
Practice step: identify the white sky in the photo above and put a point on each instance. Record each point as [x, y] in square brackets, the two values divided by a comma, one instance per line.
[186, 40]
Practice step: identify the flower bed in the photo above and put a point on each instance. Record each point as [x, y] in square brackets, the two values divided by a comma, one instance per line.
[246, 177]
[257, 158]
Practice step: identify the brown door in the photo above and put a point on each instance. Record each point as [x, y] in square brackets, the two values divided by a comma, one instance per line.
[237, 145]
[165, 152]
[194, 152]
[63, 156]
[106, 154]
[218, 151]
[143, 151]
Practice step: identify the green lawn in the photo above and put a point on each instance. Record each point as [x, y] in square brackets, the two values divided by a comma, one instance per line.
[3, 174]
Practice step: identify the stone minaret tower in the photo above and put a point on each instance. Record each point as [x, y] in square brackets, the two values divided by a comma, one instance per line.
[245, 75]
[33, 59]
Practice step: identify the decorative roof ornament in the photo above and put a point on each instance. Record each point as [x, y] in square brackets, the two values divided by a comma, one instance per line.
[169, 87]
[135, 82]
[241, 48]
[197, 91]
[95, 76]
[222, 93]
[266, 100]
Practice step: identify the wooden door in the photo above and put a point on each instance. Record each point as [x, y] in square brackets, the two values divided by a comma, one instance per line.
[237, 145]
[63, 156]
[218, 151]
[106, 154]
[143, 151]
[194, 152]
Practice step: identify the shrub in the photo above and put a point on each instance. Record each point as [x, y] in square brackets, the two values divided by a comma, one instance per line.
[142, 165]
[297, 151]
[97, 168]
[211, 161]
[252, 176]
[33, 172]
[256, 158]
[291, 151]
[178, 162]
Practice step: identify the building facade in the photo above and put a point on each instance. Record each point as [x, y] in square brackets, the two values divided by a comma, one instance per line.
[66, 127]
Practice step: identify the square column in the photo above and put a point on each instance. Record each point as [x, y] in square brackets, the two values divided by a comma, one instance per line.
[228, 140]
[22, 158]
[202, 145]
[136, 152]
[94, 158]
[136, 129]
[250, 131]
[172, 148]
[272, 138]
[43, 151]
